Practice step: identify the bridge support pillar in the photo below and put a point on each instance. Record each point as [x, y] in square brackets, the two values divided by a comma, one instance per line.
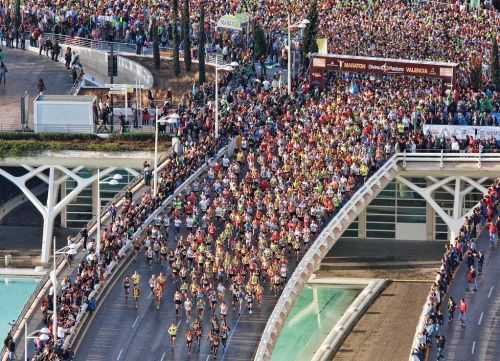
[456, 220]
[52, 208]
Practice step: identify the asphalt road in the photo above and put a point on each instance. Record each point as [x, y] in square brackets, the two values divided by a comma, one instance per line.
[122, 333]
[480, 339]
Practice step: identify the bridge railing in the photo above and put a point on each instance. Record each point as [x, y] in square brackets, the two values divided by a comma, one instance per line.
[124, 48]
[332, 232]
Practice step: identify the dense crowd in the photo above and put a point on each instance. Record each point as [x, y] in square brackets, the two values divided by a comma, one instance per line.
[463, 248]
[297, 159]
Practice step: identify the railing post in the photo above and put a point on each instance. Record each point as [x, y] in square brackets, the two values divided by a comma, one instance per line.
[479, 165]
[404, 159]
[441, 162]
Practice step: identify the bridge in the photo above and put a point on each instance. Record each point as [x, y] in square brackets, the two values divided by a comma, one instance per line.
[58, 170]
[119, 332]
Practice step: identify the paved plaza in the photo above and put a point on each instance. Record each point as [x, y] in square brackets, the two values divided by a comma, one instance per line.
[24, 70]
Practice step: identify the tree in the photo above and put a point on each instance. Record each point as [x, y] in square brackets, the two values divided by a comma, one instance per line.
[177, 65]
[186, 35]
[156, 42]
[495, 66]
[18, 13]
[476, 73]
[311, 30]
[260, 46]
[201, 44]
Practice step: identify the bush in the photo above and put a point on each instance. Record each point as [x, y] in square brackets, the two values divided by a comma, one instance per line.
[46, 136]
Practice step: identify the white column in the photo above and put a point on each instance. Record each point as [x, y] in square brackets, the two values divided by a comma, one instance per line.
[362, 224]
[48, 217]
[64, 214]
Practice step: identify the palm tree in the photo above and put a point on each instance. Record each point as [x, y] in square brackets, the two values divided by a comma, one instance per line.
[156, 42]
[177, 66]
[201, 44]
[186, 35]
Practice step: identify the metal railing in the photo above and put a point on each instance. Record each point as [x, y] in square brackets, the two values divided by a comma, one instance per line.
[338, 224]
[124, 48]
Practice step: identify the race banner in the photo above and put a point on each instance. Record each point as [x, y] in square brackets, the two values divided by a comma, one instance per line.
[462, 131]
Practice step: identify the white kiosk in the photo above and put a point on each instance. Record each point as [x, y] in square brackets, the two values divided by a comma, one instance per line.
[64, 114]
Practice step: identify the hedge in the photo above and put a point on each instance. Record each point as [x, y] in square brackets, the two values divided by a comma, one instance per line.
[77, 136]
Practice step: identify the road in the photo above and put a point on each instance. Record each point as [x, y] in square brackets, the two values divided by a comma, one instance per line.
[480, 339]
[122, 333]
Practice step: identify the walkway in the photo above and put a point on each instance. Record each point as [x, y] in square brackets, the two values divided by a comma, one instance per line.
[480, 339]
[25, 68]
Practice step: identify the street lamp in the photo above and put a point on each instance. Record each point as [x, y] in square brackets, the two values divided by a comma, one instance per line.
[65, 250]
[31, 336]
[301, 25]
[228, 68]
[114, 181]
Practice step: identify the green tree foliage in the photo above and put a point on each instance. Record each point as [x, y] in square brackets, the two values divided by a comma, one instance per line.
[156, 42]
[186, 35]
[311, 30]
[175, 9]
[476, 73]
[201, 44]
[260, 46]
[495, 66]
[18, 13]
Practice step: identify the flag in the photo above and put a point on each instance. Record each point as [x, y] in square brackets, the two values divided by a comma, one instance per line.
[322, 45]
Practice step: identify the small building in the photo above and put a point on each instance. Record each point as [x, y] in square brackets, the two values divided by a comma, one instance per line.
[65, 114]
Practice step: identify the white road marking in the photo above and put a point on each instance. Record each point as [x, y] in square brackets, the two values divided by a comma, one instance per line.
[491, 290]
[135, 322]
[120, 354]
[163, 356]
[473, 347]
[480, 319]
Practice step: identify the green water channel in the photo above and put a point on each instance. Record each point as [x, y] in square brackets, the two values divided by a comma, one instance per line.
[313, 316]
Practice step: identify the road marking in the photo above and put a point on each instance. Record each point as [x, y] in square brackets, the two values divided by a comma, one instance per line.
[491, 290]
[163, 356]
[135, 322]
[473, 347]
[229, 339]
[120, 354]
[480, 319]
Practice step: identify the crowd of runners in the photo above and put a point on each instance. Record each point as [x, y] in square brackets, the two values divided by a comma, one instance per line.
[442, 306]
[239, 231]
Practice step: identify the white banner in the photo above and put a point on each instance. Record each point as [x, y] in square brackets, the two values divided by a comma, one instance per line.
[461, 131]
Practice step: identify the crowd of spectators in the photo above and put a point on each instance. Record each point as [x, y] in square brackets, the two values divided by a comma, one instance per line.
[463, 247]
[299, 158]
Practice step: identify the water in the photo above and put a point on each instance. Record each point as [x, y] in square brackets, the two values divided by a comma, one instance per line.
[14, 292]
[311, 319]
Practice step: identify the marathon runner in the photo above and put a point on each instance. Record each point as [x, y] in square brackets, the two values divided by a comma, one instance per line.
[126, 287]
[172, 331]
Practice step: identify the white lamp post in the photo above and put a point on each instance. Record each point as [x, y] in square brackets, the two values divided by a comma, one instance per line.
[98, 230]
[300, 25]
[30, 336]
[64, 250]
[155, 172]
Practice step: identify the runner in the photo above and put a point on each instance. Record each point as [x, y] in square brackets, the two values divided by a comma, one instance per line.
[126, 287]
[136, 294]
[158, 292]
[189, 340]
[463, 308]
[172, 331]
